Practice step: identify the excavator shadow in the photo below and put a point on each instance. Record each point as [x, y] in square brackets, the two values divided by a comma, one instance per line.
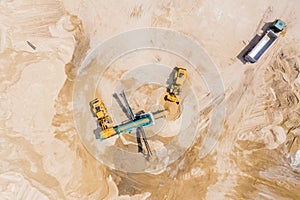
[91, 110]
[170, 80]
[97, 131]
[253, 42]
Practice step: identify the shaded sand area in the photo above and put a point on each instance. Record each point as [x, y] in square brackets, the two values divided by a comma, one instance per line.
[44, 45]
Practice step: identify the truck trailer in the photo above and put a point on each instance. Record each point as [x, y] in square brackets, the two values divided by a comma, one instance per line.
[266, 41]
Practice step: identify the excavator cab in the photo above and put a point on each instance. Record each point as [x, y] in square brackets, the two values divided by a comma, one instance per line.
[97, 105]
[180, 76]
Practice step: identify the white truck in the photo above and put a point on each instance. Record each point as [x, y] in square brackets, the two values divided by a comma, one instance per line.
[266, 41]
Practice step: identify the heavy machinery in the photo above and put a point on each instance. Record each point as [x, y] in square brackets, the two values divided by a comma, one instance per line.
[137, 122]
[176, 87]
[266, 41]
[140, 130]
[100, 112]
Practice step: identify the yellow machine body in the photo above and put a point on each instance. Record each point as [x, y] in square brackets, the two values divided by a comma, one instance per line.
[100, 112]
[176, 87]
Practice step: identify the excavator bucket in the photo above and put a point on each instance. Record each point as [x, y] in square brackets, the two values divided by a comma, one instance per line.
[107, 133]
[172, 97]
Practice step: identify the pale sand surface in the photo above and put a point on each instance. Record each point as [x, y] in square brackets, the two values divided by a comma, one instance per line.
[257, 155]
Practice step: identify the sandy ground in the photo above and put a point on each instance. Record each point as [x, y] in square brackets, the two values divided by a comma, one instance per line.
[257, 155]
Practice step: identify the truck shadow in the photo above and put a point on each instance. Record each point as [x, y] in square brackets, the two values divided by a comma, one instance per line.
[253, 42]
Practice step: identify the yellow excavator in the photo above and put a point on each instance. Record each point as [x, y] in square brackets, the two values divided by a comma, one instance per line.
[100, 112]
[176, 87]
[136, 121]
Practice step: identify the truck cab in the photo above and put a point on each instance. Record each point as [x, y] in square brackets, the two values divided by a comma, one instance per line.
[277, 26]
